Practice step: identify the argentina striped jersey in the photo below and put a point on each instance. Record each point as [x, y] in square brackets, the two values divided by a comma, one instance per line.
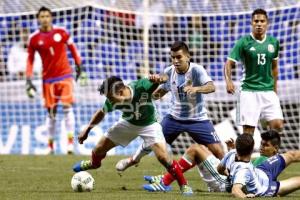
[186, 107]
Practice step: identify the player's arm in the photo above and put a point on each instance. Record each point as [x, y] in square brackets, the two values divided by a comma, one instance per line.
[222, 170]
[96, 119]
[207, 88]
[158, 78]
[275, 73]
[159, 93]
[229, 65]
[75, 54]
[237, 191]
[30, 88]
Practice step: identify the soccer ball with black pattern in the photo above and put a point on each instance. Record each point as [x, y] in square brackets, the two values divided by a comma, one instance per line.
[82, 182]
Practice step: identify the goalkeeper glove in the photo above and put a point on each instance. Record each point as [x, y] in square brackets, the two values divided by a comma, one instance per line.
[30, 89]
[78, 72]
[81, 76]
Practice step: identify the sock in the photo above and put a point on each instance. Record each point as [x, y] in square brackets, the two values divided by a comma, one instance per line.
[50, 144]
[50, 125]
[141, 152]
[96, 159]
[185, 163]
[209, 171]
[176, 172]
[69, 119]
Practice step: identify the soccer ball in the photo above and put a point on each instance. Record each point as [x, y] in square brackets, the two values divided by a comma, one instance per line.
[82, 182]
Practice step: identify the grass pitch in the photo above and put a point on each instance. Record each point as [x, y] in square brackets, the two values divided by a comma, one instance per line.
[49, 177]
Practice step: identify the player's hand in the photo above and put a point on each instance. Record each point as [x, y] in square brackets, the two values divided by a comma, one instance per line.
[156, 78]
[30, 89]
[230, 87]
[78, 72]
[82, 136]
[230, 144]
[81, 76]
[190, 90]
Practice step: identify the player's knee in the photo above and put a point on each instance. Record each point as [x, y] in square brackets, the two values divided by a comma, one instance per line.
[192, 150]
[278, 126]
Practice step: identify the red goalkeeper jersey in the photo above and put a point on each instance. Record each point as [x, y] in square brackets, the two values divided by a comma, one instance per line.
[52, 47]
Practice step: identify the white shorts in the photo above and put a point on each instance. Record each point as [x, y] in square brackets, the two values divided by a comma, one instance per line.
[252, 106]
[123, 132]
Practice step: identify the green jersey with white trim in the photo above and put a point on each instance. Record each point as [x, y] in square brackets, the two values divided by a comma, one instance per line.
[140, 110]
[257, 57]
[259, 160]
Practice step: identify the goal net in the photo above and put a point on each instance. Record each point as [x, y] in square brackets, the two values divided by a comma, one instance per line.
[130, 39]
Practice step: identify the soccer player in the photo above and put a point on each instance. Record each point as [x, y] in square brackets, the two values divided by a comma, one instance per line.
[258, 53]
[260, 181]
[187, 82]
[51, 42]
[138, 119]
[197, 154]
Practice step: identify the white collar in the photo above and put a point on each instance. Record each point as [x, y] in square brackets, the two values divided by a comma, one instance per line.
[259, 41]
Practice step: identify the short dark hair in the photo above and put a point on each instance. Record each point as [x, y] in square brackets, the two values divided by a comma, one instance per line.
[111, 85]
[259, 11]
[272, 136]
[42, 9]
[179, 45]
[244, 144]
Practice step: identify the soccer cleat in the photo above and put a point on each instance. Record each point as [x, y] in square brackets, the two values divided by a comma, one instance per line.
[186, 190]
[215, 186]
[153, 179]
[70, 148]
[157, 187]
[82, 166]
[123, 164]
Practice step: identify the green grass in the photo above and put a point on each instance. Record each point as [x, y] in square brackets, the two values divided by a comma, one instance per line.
[49, 177]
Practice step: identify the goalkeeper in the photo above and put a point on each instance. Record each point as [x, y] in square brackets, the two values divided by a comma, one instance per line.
[51, 42]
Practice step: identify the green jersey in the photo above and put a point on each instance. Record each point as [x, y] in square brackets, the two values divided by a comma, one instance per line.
[256, 57]
[140, 110]
[259, 160]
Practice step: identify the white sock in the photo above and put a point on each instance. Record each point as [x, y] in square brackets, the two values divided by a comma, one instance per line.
[50, 124]
[141, 152]
[69, 119]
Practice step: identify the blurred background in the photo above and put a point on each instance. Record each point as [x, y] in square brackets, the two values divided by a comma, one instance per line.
[130, 39]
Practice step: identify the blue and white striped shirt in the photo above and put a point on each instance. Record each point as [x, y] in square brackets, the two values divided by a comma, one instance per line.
[255, 180]
[186, 107]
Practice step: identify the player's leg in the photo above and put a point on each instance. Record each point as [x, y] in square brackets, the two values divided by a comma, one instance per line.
[121, 133]
[289, 185]
[125, 163]
[271, 110]
[248, 111]
[50, 103]
[67, 99]
[195, 154]
[204, 133]
[248, 129]
[276, 124]
[170, 131]
[160, 151]
[69, 120]
[50, 126]
[98, 153]
[153, 137]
